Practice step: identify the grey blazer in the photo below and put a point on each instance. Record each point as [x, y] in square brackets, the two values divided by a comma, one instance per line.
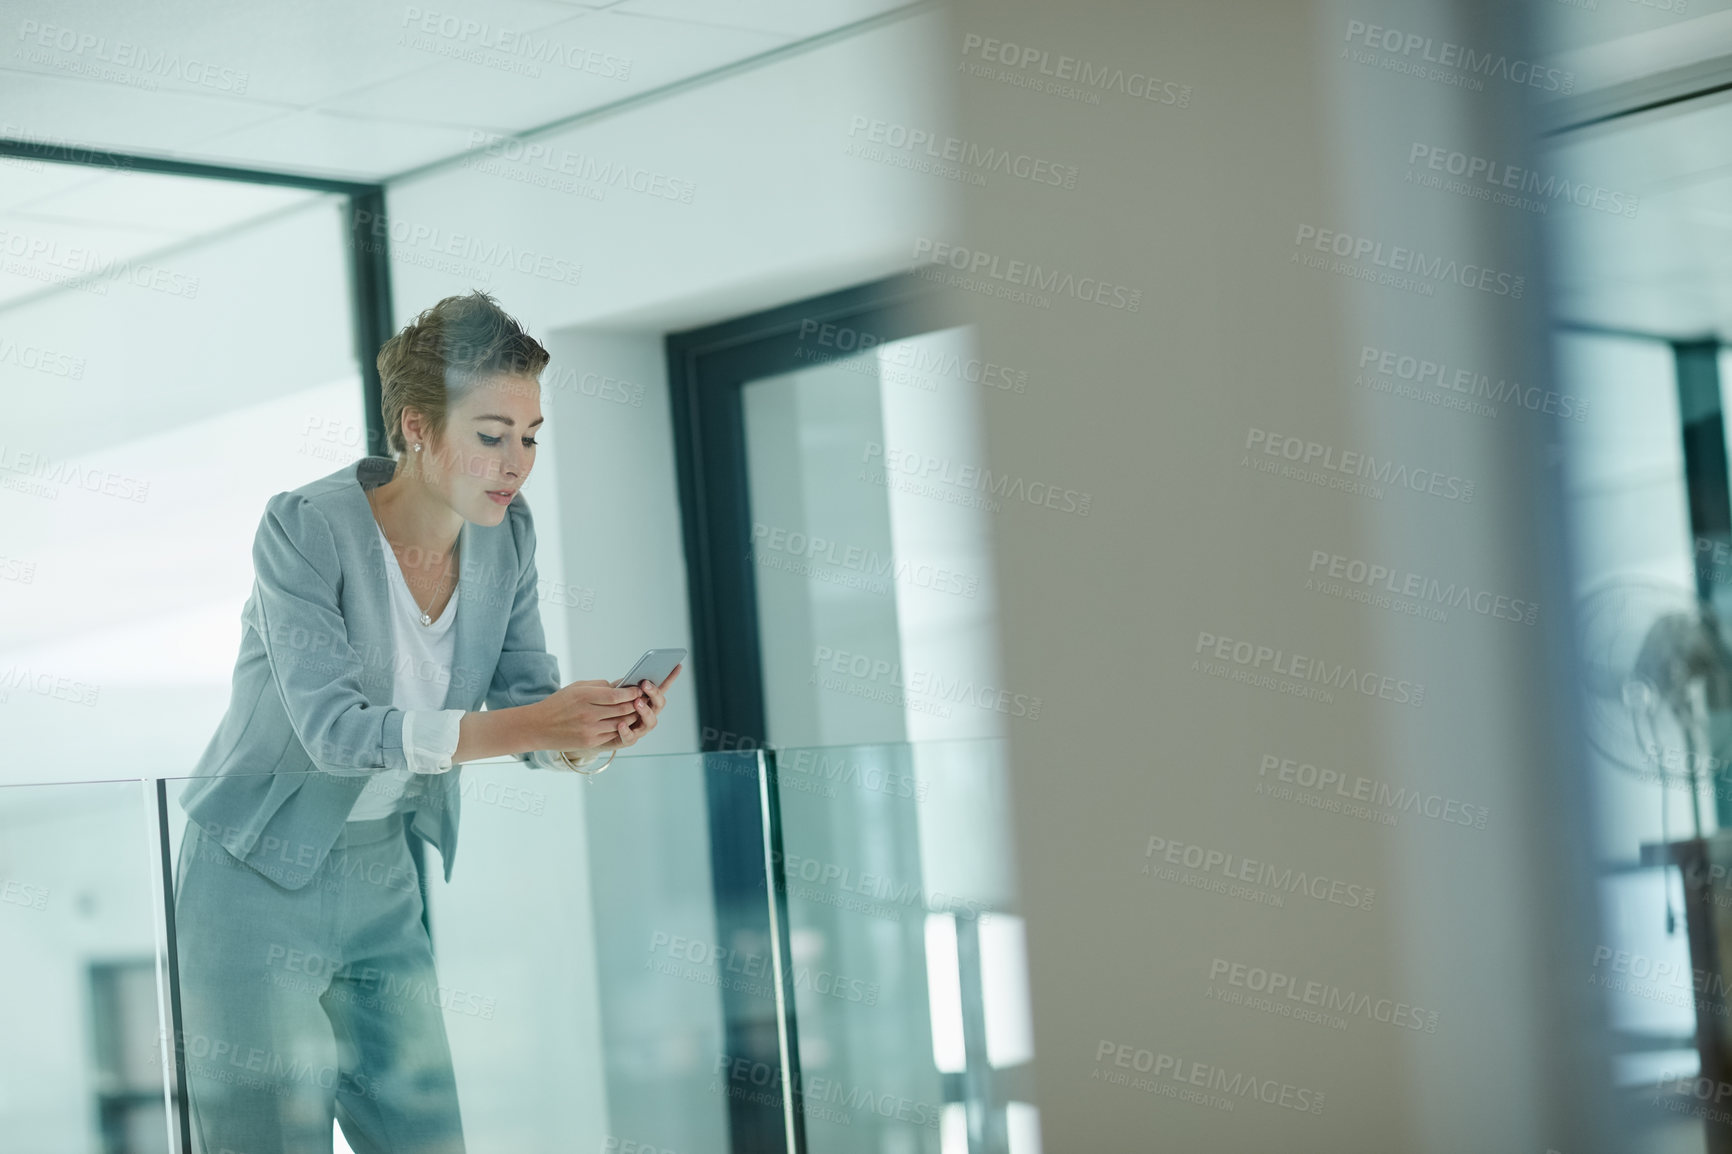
[309, 715]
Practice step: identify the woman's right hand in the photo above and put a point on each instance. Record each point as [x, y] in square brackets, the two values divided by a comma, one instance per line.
[585, 714]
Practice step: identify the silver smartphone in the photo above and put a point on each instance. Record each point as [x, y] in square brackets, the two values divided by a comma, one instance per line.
[656, 665]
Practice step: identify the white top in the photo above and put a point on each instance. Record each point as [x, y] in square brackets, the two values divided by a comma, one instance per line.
[421, 678]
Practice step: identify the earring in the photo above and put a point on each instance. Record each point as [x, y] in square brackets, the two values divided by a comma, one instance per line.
[417, 446]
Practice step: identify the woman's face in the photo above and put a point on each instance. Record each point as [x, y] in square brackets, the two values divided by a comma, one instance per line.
[487, 449]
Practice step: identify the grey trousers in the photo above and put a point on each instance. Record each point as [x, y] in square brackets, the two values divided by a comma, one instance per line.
[304, 1007]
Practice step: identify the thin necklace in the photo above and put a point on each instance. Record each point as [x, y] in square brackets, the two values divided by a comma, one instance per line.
[425, 618]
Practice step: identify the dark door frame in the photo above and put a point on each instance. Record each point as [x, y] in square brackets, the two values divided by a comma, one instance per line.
[708, 369]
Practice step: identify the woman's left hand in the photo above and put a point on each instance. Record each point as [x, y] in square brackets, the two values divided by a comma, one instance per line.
[649, 707]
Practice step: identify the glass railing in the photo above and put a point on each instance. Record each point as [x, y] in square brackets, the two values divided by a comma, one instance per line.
[592, 976]
[909, 989]
[81, 961]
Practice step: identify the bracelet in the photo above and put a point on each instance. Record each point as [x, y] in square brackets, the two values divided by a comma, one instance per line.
[566, 757]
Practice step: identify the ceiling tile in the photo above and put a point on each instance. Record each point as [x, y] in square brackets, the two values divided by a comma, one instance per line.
[796, 18]
[580, 64]
[337, 146]
[296, 54]
[363, 91]
[98, 115]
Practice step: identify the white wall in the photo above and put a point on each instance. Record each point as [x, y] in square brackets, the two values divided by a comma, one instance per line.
[778, 211]
[606, 401]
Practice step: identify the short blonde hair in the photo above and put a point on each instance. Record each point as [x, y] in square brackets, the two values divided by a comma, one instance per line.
[446, 351]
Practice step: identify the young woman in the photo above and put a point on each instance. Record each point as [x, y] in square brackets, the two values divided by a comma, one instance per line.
[392, 599]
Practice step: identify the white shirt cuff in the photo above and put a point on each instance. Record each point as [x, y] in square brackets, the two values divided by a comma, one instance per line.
[430, 738]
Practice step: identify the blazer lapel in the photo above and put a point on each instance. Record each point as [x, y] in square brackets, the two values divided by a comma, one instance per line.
[487, 584]
[371, 626]
[486, 587]
[462, 693]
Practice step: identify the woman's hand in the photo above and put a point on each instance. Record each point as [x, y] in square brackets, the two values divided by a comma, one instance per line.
[648, 709]
[587, 715]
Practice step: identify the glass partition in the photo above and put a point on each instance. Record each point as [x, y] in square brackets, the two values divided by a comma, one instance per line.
[871, 545]
[533, 1001]
[81, 1060]
[907, 968]
[564, 989]
[179, 349]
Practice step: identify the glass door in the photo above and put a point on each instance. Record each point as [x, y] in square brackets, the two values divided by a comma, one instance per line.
[862, 511]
